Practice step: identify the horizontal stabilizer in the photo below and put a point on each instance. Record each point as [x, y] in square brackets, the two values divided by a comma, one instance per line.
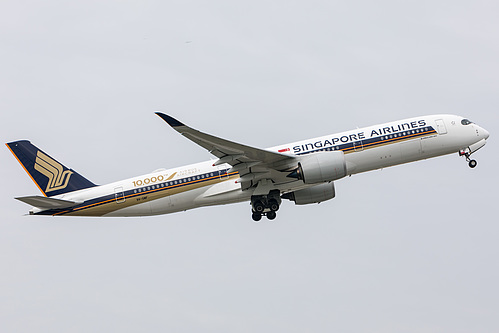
[47, 203]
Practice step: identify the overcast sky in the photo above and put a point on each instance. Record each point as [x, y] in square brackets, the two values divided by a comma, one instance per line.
[407, 249]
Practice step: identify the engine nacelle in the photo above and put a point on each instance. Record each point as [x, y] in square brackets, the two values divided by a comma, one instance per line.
[314, 194]
[321, 167]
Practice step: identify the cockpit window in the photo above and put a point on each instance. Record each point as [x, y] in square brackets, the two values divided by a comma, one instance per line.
[466, 122]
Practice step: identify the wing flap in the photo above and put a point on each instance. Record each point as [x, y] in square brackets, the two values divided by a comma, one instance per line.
[47, 203]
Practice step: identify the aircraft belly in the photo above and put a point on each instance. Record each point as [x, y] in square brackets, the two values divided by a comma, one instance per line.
[440, 145]
[410, 150]
[372, 159]
[226, 192]
[170, 204]
[143, 209]
[175, 203]
[400, 153]
[157, 207]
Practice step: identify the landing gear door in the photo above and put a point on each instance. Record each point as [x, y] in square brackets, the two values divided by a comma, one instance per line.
[441, 129]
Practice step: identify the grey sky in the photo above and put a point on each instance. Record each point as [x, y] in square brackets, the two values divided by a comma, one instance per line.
[407, 249]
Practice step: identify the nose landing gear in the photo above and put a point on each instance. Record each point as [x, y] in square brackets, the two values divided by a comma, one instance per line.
[266, 205]
[471, 163]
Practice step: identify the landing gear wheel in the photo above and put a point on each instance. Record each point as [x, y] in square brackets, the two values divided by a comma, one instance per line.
[472, 164]
[271, 215]
[258, 207]
[256, 217]
[265, 205]
[273, 205]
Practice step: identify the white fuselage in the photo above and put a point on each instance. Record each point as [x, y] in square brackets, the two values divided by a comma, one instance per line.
[202, 184]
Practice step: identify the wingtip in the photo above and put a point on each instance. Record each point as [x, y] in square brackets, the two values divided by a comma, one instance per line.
[170, 120]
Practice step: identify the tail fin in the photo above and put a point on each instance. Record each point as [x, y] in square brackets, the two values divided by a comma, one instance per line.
[51, 177]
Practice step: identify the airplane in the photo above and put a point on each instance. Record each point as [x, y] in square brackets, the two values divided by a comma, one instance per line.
[303, 172]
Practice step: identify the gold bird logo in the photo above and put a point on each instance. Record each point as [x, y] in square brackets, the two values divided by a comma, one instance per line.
[58, 179]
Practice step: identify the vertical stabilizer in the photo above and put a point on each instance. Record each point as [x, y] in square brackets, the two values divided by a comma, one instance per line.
[51, 177]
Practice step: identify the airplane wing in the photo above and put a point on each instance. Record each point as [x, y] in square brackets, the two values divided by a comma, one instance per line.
[250, 162]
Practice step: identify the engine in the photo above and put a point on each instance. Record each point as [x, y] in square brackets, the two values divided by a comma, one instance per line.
[314, 194]
[321, 167]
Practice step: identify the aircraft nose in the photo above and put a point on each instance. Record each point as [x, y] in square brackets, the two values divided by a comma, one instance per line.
[485, 134]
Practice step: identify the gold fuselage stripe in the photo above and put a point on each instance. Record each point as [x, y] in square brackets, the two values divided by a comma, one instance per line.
[103, 207]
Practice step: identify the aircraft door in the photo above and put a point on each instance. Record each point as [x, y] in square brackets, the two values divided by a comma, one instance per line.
[119, 195]
[441, 129]
[358, 146]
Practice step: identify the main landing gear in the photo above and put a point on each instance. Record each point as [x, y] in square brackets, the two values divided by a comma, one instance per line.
[266, 205]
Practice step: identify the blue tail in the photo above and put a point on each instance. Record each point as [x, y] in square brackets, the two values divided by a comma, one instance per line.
[51, 177]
